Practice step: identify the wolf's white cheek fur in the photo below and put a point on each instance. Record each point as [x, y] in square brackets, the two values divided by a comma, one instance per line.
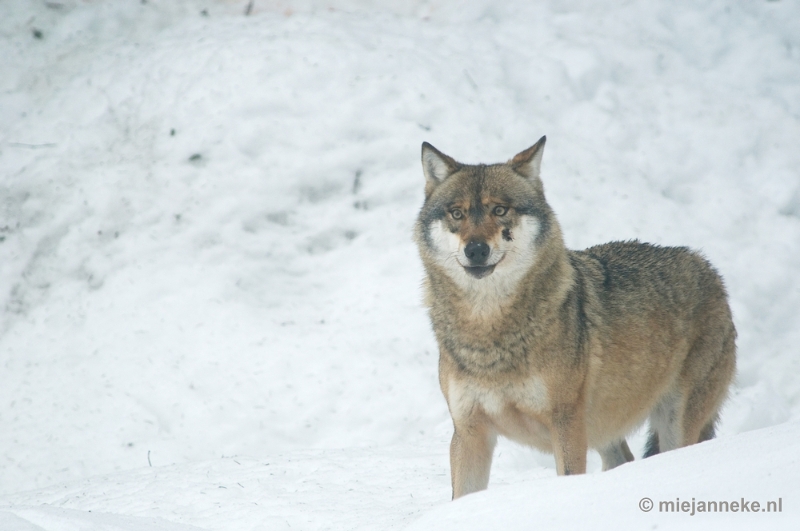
[446, 244]
[521, 250]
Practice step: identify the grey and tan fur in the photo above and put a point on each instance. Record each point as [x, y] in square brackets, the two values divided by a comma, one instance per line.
[562, 350]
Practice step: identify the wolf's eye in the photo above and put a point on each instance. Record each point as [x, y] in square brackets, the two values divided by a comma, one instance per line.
[456, 213]
[499, 210]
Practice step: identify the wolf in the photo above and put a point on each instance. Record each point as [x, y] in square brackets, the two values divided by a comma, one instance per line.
[557, 349]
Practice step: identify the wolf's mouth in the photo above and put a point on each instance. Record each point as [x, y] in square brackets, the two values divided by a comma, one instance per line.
[479, 271]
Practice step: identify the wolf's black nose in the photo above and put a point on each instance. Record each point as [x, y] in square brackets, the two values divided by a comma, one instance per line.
[477, 252]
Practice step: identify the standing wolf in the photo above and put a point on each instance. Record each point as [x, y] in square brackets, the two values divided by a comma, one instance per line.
[562, 350]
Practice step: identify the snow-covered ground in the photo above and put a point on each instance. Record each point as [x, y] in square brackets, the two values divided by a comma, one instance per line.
[210, 309]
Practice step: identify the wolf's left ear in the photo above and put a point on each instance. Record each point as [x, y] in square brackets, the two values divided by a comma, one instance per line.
[529, 162]
[437, 167]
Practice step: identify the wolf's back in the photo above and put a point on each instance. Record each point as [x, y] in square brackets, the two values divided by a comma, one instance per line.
[636, 277]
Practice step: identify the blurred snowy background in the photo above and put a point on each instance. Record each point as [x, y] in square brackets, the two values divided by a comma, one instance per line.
[205, 231]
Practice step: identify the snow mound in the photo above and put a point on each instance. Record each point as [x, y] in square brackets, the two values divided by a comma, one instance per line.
[663, 492]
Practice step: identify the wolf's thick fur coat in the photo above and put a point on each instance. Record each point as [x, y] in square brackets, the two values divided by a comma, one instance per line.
[562, 350]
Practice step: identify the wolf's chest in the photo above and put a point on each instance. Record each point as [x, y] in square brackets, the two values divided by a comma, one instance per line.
[515, 409]
[497, 398]
[480, 354]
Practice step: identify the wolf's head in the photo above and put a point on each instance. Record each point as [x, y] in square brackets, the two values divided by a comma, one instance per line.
[483, 225]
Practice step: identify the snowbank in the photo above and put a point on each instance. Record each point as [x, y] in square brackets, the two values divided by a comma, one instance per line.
[668, 491]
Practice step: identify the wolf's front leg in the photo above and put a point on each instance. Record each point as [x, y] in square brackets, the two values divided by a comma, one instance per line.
[471, 456]
[569, 439]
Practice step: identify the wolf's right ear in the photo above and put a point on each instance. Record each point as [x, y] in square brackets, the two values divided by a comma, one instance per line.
[529, 162]
[437, 167]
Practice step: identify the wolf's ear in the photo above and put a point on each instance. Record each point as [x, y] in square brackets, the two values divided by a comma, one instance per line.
[437, 167]
[529, 161]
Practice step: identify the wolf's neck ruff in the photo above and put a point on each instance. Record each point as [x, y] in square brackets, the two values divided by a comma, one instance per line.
[483, 314]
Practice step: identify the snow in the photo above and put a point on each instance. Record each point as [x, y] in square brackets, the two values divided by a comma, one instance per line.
[322, 489]
[210, 311]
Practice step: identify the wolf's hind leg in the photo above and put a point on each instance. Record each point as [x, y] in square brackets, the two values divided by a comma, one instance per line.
[687, 414]
[709, 430]
[615, 454]
[708, 369]
[676, 422]
[652, 447]
[666, 424]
